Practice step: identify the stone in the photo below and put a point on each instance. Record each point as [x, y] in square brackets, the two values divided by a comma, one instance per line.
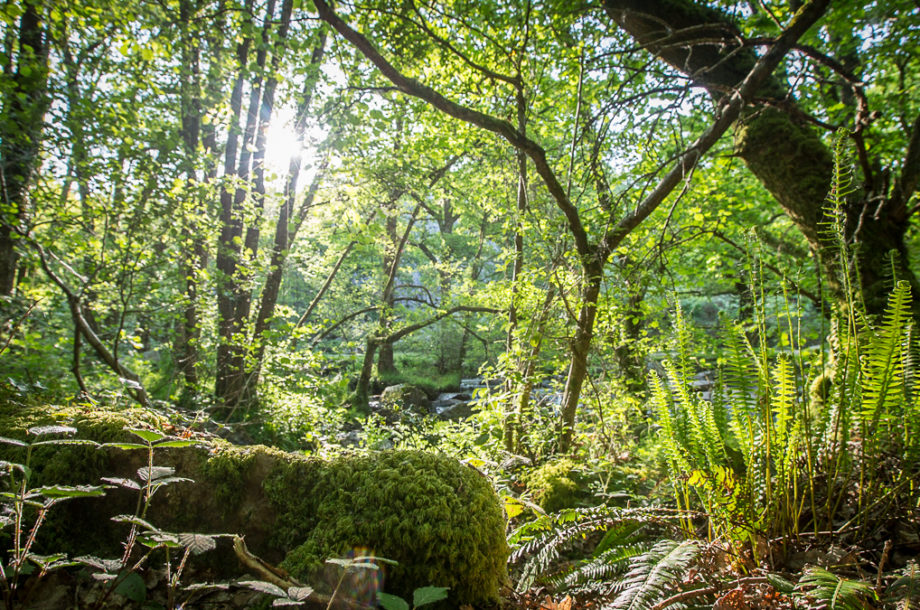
[406, 396]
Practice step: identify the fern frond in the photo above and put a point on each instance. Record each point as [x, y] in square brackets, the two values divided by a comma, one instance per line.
[838, 593]
[540, 543]
[601, 574]
[655, 574]
[882, 380]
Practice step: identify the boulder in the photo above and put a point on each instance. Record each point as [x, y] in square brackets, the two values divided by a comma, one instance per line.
[406, 396]
[456, 410]
[437, 518]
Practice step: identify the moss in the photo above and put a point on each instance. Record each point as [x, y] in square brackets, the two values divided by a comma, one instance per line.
[791, 161]
[406, 396]
[438, 519]
[555, 485]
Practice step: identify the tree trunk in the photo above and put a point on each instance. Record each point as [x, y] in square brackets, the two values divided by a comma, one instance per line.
[21, 126]
[580, 346]
[512, 424]
[192, 265]
[786, 156]
[227, 379]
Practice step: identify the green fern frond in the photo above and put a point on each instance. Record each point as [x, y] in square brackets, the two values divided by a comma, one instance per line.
[538, 544]
[882, 380]
[601, 574]
[784, 397]
[837, 593]
[671, 436]
[655, 574]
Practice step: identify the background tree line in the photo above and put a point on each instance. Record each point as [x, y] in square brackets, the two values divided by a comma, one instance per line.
[209, 202]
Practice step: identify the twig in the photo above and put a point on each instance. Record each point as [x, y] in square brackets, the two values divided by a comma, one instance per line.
[886, 553]
[16, 326]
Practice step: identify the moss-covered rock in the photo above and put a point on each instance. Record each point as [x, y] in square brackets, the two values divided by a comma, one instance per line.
[406, 396]
[555, 485]
[437, 518]
[440, 522]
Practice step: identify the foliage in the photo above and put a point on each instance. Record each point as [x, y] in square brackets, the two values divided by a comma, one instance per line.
[819, 585]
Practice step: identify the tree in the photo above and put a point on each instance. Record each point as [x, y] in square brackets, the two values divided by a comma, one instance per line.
[593, 255]
[780, 147]
[24, 100]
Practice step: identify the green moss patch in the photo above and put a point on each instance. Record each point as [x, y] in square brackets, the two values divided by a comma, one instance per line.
[437, 518]
[556, 485]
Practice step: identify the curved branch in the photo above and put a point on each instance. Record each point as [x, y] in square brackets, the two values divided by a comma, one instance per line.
[83, 327]
[407, 330]
[729, 110]
[500, 127]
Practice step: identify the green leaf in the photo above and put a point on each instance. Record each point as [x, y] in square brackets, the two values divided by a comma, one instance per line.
[263, 587]
[66, 441]
[513, 507]
[392, 602]
[133, 588]
[13, 441]
[150, 436]
[152, 473]
[780, 584]
[197, 543]
[178, 443]
[299, 593]
[68, 491]
[428, 595]
[126, 446]
[106, 565]
[134, 520]
[127, 483]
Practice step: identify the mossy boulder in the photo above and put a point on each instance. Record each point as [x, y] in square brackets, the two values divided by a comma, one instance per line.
[556, 485]
[406, 396]
[439, 519]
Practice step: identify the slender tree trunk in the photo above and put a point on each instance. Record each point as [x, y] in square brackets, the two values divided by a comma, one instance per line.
[381, 335]
[580, 347]
[628, 356]
[385, 362]
[21, 126]
[228, 327]
[512, 424]
[191, 266]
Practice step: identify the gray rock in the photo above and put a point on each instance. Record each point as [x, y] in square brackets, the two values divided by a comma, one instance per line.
[406, 396]
[458, 410]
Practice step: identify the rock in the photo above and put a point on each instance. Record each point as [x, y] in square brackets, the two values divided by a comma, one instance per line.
[438, 519]
[352, 438]
[457, 410]
[472, 383]
[406, 396]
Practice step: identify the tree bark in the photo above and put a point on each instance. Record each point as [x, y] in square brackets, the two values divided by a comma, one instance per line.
[785, 155]
[227, 251]
[21, 127]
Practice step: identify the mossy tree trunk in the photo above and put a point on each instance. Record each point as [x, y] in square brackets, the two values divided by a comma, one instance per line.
[787, 156]
[24, 101]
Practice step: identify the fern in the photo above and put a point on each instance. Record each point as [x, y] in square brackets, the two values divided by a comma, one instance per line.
[833, 592]
[655, 574]
[882, 383]
[537, 545]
